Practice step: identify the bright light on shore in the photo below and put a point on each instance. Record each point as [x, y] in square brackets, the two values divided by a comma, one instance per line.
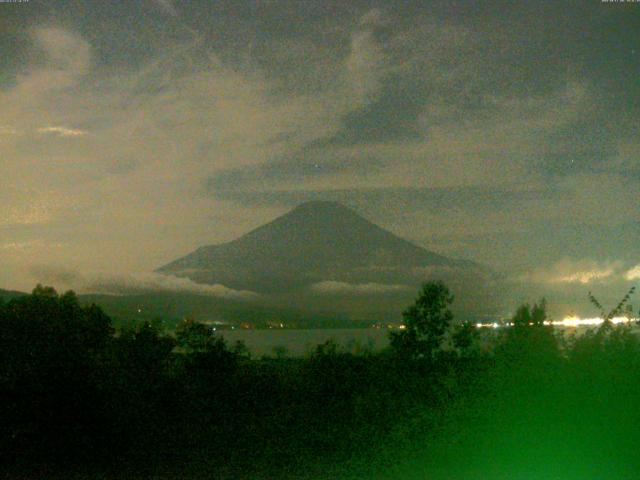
[586, 322]
[570, 322]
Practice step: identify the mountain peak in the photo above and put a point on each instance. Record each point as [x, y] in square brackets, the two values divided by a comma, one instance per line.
[315, 241]
[322, 207]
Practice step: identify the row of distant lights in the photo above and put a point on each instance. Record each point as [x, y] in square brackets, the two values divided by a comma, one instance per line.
[571, 322]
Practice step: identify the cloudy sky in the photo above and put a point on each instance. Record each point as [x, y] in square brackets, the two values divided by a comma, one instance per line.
[504, 132]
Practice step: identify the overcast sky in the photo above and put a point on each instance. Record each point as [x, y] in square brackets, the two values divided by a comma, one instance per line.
[504, 132]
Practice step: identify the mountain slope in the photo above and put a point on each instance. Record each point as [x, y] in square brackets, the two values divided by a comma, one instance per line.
[7, 295]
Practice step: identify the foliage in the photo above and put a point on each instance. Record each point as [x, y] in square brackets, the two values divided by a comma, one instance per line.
[529, 341]
[78, 397]
[48, 353]
[615, 311]
[466, 338]
[426, 323]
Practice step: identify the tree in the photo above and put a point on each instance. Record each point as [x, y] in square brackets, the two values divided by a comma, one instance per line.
[426, 322]
[614, 312]
[594, 343]
[527, 316]
[465, 339]
[529, 340]
[50, 350]
[204, 352]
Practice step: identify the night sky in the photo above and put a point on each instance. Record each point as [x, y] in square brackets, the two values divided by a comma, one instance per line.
[502, 132]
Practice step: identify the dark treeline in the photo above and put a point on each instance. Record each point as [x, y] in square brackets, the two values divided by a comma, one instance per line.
[81, 400]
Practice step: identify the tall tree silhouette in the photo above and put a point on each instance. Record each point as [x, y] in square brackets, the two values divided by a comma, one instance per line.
[426, 322]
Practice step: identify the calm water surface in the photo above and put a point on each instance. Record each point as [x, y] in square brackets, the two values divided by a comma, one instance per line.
[301, 342]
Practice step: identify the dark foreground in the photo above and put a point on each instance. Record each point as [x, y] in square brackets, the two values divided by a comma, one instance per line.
[78, 400]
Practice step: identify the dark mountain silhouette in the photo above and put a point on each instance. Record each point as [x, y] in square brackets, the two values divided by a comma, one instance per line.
[315, 242]
[7, 295]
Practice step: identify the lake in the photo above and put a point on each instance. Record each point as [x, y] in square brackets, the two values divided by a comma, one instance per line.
[302, 342]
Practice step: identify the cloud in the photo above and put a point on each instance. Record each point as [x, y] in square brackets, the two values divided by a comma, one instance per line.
[585, 276]
[447, 121]
[373, 18]
[494, 147]
[6, 130]
[163, 126]
[65, 50]
[28, 245]
[32, 212]
[366, 62]
[63, 131]
[151, 282]
[57, 276]
[67, 60]
[333, 287]
[576, 272]
[167, 6]
[127, 284]
[633, 273]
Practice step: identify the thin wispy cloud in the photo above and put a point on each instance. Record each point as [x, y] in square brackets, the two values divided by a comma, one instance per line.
[334, 287]
[151, 282]
[366, 61]
[577, 272]
[63, 131]
[119, 284]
